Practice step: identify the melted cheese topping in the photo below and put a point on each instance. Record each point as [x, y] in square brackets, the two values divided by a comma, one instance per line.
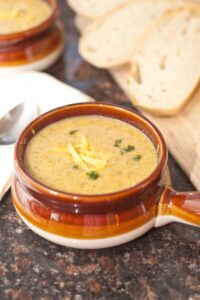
[82, 156]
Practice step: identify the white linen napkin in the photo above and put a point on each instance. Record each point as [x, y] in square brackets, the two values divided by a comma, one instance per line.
[30, 87]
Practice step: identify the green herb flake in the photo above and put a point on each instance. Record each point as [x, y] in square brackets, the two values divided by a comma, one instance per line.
[93, 175]
[137, 157]
[129, 148]
[117, 143]
[71, 132]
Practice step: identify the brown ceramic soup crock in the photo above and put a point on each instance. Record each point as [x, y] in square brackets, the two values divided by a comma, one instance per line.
[35, 48]
[99, 221]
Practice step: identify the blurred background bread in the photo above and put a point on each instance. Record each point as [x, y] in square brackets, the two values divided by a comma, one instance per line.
[152, 44]
[110, 41]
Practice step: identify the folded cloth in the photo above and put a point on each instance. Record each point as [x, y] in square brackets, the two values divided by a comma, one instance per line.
[30, 87]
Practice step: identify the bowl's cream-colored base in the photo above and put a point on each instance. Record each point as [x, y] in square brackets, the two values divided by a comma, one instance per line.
[38, 65]
[90, 243]
[104, 242]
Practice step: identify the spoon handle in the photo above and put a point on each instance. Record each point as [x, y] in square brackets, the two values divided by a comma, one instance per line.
[6, 168]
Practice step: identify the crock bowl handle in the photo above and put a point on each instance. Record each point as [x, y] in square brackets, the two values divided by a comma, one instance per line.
[183, 207]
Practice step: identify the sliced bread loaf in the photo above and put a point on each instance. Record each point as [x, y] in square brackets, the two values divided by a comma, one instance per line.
[166, 66]
[110, 41]
[95, 8]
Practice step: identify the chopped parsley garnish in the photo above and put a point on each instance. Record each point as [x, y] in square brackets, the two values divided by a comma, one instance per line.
[93, 175]
[137, 157]
[129, 148]
[71, 132]
[117, 143]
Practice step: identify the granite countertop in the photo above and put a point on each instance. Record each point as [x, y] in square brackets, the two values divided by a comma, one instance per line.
[164, 264]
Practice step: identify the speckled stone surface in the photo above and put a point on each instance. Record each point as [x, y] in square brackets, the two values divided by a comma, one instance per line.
[164, 264]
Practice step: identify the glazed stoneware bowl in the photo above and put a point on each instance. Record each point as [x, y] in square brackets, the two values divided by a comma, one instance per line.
[99, 221]
[33, 49]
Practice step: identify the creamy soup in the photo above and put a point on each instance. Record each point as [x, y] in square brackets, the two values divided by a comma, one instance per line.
[90, 155]
[20, 15]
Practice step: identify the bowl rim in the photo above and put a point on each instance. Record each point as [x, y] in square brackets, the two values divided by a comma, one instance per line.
[20, 35]
[92, 198]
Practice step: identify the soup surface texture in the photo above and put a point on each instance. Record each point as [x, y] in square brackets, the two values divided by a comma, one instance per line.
[20, 15]
[90, 155]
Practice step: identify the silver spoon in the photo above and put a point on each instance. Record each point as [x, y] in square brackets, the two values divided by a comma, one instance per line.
[11, 125]
[15, 120]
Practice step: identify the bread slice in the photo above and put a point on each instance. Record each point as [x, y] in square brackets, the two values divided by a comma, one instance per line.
[93, 9]
[81, 22]
[166, 67]
[110, 41]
